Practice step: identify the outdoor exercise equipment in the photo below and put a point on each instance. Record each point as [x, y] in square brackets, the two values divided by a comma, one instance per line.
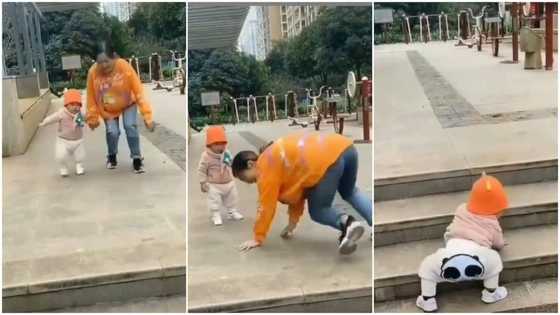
[271, 101]
[313, 109]
[424, 24]
[530, 43]
[134, 63]
[291, 104]
[406, 29]
[296, 122]
[156, 74]
[365, 89]
[425, 34]
[179, 77]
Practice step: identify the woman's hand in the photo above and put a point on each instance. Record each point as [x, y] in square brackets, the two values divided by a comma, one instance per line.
[93, 125]
[288, 231]
[248, 245]
[149, 125]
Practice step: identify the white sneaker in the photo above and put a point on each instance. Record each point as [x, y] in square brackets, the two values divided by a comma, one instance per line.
[63, 171]
[233, 214]
[79, 169]
[492, 297]
[429, 305]
[217, 218]
[351, 233]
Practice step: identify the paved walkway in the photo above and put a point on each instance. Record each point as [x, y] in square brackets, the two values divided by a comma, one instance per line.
[441, 107]
[105, 222]
[289, 270]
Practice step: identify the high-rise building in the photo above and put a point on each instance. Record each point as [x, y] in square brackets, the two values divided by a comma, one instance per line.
[122, 10]
[266, 25]
[272, 26]
[294, 18]
[252, 36]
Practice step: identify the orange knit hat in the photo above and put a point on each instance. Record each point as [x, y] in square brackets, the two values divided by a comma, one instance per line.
[72, 96]
[488, 196]
[215, 134]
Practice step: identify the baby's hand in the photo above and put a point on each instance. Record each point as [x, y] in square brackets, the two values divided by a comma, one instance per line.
[42, 123]
[204, 187]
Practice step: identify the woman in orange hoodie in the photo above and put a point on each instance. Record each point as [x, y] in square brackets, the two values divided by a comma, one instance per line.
[300, 167]
[114, 90]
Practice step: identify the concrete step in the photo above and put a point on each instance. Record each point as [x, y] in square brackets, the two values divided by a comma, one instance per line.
[462, 179]
[165, 304]
[531, 254]
[90, 290]
[536, 296]
[356, 300]
[426, 217]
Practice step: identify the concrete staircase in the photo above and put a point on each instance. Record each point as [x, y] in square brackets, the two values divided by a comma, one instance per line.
[412, 212]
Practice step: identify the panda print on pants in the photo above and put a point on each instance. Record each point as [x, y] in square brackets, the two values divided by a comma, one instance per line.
[460, 260]
[461, 267]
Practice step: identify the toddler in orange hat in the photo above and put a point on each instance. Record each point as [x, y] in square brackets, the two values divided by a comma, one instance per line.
[69, 141]
[216, 179]
[471, 241]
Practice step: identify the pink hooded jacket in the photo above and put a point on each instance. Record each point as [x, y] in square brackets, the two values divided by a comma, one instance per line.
[212, 169]
[483, 230]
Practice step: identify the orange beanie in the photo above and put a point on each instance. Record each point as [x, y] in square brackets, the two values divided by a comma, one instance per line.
[488, 196]
[215, 134]
[72, 96]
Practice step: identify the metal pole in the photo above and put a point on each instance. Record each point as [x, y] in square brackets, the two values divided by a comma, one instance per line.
[446, 27]
[286, 104]
[468, 24]
[439, 26]
[459, 25]
[274, 106]
[515, 31]
[150, 68]
[248, 111]
[42, 62]
[421, 37]
[266, 105]
[427, 18]
[365, 108]
[236, 111]
[409, 32]
[548, 33]
[256, 109]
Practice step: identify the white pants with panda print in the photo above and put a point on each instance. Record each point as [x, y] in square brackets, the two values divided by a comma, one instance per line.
[460, 260]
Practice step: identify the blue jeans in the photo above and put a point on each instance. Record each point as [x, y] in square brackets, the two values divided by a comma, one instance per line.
[340, 176]
[113, 131]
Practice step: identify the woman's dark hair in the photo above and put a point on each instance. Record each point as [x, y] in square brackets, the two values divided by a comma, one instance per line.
[106, 48]
[241, 161]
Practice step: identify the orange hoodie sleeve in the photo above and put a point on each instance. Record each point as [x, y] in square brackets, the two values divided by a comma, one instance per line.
[295, 211]
[136, 85]
[92, 115]
[269, 190]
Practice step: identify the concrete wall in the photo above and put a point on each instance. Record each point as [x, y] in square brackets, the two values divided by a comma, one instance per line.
[27, 86]
[43, 80]
[18, 128]
[12, 129]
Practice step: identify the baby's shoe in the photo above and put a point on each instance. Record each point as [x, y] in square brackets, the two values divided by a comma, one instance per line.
[217, 218]
[63, 171]
[429, 305]
[233, 214]
[79, 169]
[492, 297]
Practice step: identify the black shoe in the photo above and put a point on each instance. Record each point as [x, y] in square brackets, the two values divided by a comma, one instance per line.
[138, 165]
[352, 230]
[112, 161]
